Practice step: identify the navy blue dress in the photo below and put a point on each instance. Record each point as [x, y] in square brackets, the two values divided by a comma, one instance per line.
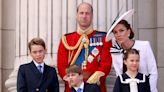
[142, 87]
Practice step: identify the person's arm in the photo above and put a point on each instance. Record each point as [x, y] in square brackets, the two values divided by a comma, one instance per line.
[147, 84]
[152, 68]
[117, 61]
[21, 83]
[105, 57]
[104, 63]
[62, 60]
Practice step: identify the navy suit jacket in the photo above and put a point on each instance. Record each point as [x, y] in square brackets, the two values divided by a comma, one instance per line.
[29, 79]
[89, 88]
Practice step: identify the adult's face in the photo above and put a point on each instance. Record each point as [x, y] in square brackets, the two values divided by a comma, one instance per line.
[121, 33]
[84, 16]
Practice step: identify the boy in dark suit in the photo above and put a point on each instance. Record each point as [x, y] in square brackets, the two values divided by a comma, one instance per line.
[74, 77]
[36, 76]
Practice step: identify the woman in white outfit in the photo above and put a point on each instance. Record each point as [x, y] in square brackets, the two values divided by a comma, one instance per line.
[123, 35]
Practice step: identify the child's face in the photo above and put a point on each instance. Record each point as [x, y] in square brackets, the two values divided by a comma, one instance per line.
[37, 53]
[132, 62]
[74, 79]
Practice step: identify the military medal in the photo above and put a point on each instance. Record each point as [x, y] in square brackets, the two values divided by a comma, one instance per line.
[94, 41]
[90, 58]
[91, 43]
[101, 43]
[84, 64]
[97, 42]
[95, 52]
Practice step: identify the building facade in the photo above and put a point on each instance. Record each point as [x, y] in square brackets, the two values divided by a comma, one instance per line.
[21, 20]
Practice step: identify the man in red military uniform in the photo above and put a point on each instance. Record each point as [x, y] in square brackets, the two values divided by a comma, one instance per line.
[85, 47]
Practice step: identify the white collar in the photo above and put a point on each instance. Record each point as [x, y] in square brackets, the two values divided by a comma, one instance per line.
[36, 64]
[81, 86]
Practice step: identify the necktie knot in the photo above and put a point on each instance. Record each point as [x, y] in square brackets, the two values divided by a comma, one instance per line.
[39, 68]
[79, 90]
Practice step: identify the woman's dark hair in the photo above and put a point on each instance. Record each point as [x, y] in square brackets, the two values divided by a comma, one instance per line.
[126, 55]
[127, 25]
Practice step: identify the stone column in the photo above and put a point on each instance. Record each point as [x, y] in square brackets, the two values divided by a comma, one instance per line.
[0, 46]
[160, 43]
[8, 36]
[34, 18]
[150, 27]
[146, 16]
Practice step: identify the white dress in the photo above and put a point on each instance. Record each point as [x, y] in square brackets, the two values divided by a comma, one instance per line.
[147, 62]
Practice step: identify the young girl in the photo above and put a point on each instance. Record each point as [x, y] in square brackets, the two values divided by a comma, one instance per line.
[131, 80]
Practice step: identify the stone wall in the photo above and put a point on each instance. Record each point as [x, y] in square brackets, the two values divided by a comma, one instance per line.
[25, 19]
[0, 46]
[160, 42]
[8, 39]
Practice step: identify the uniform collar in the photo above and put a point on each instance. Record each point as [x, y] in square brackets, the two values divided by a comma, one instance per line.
[86, 31]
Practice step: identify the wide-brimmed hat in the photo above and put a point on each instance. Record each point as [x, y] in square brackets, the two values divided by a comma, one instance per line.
[124, 16]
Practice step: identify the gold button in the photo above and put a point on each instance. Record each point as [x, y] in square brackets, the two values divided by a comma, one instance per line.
[37, 89]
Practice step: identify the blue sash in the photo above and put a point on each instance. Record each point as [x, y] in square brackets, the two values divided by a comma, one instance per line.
[81, 56]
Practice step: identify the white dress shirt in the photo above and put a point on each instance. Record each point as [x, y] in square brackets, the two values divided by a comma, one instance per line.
[81, 87]
[42, 64]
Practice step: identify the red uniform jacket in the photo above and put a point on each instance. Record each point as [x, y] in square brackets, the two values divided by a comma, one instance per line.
[99, 56]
